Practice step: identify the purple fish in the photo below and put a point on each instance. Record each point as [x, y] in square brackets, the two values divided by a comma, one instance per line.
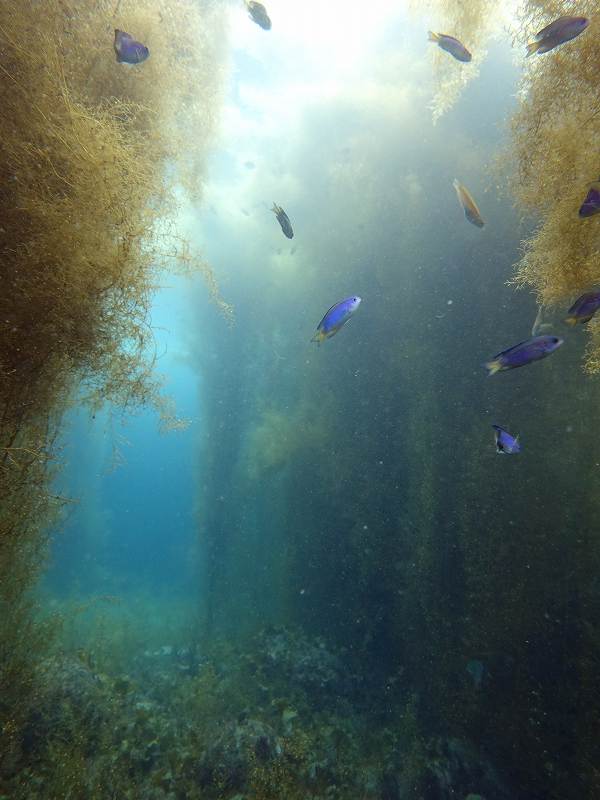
[523, 353]
[591, 204]
[558, 32]
[505, 443]
[337, 316]
[129, 51]
[584, 308]
[450, 45]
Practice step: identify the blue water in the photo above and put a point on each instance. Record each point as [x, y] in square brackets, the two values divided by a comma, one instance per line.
[131, 527]
[139, 501]
[352, 491]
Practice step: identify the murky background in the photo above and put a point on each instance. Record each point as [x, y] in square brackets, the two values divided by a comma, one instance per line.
[329, 584]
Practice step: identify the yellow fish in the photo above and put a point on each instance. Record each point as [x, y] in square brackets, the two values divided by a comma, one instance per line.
[469, 205]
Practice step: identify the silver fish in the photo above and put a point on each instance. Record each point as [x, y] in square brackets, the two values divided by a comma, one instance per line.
[469, 205]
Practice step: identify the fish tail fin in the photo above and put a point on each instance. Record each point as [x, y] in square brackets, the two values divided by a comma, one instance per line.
[532, 48]
[433, 37]
[318, 337]
[275, 208]
[573, 320]
[493, 367]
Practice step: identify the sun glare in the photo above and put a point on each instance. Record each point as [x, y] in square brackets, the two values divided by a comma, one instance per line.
[334, 36]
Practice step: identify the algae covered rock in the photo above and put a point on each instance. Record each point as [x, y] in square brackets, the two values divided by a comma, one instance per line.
[390, 787]
[70, 697]
[235, 751]
[458, 769]
[303, 663]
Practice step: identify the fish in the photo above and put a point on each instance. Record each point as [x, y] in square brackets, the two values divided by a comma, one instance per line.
[258, 13]
[591, 204]
[558, 32]
[523, 353]
[337, 316]
[584, 308]
[284, 221]
[450, 45]
[505, 443]
[127, 50]
[469, 206]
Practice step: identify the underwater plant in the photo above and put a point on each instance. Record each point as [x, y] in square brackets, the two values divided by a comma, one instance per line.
[555, 136]
[91, 161]
[280, 437]
[472, 24]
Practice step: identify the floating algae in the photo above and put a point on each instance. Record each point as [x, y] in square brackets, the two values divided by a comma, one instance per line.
[90, 155]
[556, 135]
[471, 23]
[277, 438]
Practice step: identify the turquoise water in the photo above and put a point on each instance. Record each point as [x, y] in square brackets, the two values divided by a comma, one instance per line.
[332, 552]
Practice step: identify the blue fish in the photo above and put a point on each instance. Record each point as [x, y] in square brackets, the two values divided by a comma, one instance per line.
[523, 353]
[584, 308]
[284, 221]
[505, 443]
[129, 51]
[591, 204]
[558, 32]
[450, 45]
[337, 316]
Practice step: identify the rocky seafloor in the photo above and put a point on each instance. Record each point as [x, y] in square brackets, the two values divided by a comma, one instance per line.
[285, 717]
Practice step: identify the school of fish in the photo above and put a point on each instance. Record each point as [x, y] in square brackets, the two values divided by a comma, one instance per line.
[539, 346]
